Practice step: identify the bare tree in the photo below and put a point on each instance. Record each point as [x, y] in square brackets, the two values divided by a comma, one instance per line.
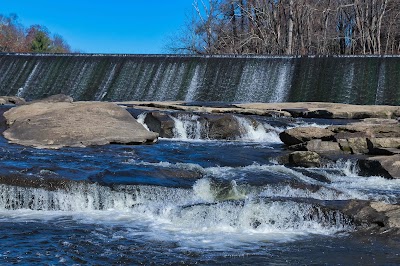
[294, 27]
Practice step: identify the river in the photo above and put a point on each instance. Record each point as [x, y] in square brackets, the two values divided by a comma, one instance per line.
[185, 201]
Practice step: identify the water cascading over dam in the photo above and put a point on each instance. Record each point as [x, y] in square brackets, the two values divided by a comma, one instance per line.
[356, 80]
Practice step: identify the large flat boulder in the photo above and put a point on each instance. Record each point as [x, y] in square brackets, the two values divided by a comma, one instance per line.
[303, 134]
[319, 146]
[372, 128]
[58, 124]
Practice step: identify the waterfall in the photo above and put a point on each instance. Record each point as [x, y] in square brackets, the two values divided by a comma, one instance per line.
[348, 84]
[284, 78]
[28, 81]
[188, 127]
[356, 80]
[196, 210]
[193, 127]
[379, 99]
[194, 84]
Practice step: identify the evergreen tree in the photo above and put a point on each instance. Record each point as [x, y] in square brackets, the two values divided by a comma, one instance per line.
[41, 43]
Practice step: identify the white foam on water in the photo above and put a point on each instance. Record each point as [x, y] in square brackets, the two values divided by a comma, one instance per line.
[380, 89]
[186, 215]
[345, 185]
[308, 124]
[349, 84]
[195, 83]
[28, 81]
[187, 127]
[284, 80]
[361, 187]
[102, 91]
[258, 132]
[141, 119]
[287, 191]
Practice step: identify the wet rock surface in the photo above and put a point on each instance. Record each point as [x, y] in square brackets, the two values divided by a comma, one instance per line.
[214, 126]
[368, 137]
[51, 124]
[374, 216]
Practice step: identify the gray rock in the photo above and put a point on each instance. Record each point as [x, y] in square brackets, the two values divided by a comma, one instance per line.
[213, 126]
[305, 159]
[56, 125]
[160, 122]
[5, 100]
[371, 128]
[369, 167]
[319, 146]
[384, 143]
[385, 166]
[358, 145]
[375, 216]
[302, 134]
[383, 146]
[223, 127]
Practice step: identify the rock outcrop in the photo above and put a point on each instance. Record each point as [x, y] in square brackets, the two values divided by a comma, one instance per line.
[375, 216]
[213, 126]
[304, 159]
[6, 100]
[369, 137]
[303, 134]
[160, 122]
[294, 109]
[387, 166]
[58, 124]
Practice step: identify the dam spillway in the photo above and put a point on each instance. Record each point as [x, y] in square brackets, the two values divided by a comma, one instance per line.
[353, 79]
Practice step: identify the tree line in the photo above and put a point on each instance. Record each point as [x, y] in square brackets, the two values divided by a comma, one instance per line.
[292, 27]
[14, 37]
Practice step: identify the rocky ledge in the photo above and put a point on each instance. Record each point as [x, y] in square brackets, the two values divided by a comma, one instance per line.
[58, 122]
[374, 142]
[298, 109]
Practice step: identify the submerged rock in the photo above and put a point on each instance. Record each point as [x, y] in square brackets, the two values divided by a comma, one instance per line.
[58, 124]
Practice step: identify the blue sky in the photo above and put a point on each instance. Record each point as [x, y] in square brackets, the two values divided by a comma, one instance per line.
[119, 26]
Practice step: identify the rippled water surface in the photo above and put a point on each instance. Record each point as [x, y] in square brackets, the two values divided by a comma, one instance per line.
[183, 201]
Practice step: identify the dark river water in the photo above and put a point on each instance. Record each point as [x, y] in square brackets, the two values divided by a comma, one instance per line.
[184, 201]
